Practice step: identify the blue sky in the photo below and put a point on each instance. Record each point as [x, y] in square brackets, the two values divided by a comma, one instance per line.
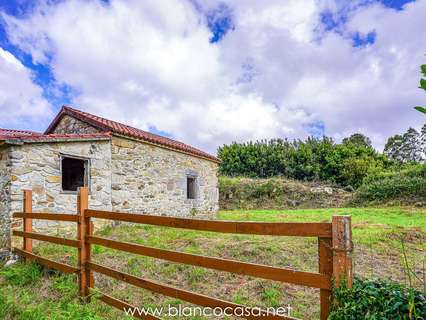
[254, 62]
[42, 73]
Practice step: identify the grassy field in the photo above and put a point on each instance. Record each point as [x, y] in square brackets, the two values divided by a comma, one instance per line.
[27, 293]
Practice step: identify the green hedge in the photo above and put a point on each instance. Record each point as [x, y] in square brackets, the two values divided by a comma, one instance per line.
[406, 185]
[378, 300]
[313, 159]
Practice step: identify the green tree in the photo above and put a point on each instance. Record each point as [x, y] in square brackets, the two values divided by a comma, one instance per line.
[393, 148]
[422, 86]
[422, 144]
[359, 140]
[409, 147]
[355, 169]
[339, 161]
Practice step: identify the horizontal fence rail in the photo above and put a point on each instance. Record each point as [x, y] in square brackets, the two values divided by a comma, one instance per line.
[47, 262]
[309, 279]
[334, 254]
[48, 216]
[255, 228]
[170, 291]
[52, 239]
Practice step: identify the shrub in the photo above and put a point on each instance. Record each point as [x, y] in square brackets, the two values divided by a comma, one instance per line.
[377, 299]
[354, 170]
[405, 184]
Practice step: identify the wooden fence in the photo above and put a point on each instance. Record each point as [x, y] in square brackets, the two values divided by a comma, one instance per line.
[334, 252]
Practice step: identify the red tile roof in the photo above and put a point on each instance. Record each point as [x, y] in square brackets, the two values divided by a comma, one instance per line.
[17, 133]
[66, 137]
[125, 130]
[31, 137]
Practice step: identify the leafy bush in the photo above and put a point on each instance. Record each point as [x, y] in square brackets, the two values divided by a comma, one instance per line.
[377, 299]
[355, 170]
[406, 184]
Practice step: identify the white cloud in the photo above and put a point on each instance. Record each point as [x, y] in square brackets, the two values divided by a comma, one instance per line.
[371, 88]
[21, 99]
[294, 17]
[150, 63]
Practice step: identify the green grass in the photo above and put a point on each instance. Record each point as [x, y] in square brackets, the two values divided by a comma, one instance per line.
[369, 224]
[27, 293]
[377, 234]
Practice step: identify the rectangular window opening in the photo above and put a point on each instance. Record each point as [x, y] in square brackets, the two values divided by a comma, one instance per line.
[74, 174]
[190, 188]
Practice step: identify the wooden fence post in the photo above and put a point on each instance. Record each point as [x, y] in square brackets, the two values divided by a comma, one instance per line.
[342, 250]
[325, 255]
[91, 278]
[82, 229]
[27, 224]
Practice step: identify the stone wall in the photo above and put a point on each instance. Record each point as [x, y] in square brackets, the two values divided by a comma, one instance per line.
[151, 179]
[71, 125]
[37, 167]
[4, 198]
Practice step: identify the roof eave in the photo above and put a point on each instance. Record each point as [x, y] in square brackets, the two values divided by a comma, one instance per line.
[69, 111]
[21, 141]
[55, 121]
[212, 159]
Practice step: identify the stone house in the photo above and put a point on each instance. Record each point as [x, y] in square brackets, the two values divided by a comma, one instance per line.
[126, 170]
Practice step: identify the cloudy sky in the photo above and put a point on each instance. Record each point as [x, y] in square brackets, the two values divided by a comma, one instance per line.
[210, 72]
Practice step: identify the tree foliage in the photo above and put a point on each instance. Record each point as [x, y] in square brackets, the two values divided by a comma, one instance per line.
[358, 139]
[422, 86]
[409, 147]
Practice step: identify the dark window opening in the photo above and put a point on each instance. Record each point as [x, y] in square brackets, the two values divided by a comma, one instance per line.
[190, 188]
[74, 174]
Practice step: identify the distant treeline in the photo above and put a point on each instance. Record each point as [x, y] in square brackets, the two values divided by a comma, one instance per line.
[347, 163]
